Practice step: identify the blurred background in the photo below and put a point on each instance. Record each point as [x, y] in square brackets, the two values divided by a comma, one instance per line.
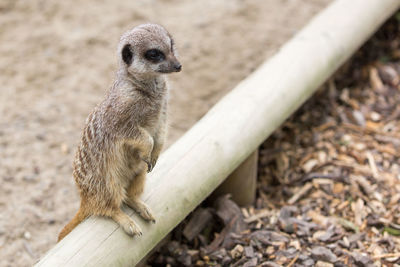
[58, 59]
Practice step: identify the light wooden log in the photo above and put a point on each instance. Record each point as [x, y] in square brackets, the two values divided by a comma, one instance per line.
[198, 162]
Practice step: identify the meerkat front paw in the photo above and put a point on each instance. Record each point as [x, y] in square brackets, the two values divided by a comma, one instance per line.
[147, 159]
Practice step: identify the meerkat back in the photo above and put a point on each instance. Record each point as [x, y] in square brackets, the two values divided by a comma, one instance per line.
[125, 133]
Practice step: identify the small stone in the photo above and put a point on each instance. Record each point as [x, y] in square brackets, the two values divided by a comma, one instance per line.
[269, 250]
[392, 259]
[27, 235]
[323, 254]
[309, 165]
[193, 252]
[287, 212]
[360, 146]
[327, 235]
[295, 244]
[41, 136]
[185, 259]
[359, 118]
[64, 148]
[299, 226]
[338, 188]
[249, 252]
[375, 116]
[344, 242]
[290, 253]
[303, 257]
[251, 263]
[281, 259]
[388, 74]
[319, 234]
[269, 237]
[200, 263]
[218, 254]
[270, 264]
[346, 139]
[226, 260]
[345, 95]
[170, 261]
[340, 264]
[173, 246]
[29, 178]
[356, 237]
[308, 262]
[237, 251]
[361, 259]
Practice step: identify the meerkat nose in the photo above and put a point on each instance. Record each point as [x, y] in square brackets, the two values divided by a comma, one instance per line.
[178, 67]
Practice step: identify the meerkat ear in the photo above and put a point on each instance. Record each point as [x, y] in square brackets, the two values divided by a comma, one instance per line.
[127, 55]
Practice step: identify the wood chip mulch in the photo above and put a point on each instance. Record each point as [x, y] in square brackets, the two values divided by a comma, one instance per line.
[329, 180]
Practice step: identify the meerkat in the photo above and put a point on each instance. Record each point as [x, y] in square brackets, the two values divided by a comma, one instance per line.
[124, 134]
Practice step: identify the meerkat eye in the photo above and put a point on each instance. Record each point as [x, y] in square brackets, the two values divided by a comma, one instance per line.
[154, 55]
[127, 54]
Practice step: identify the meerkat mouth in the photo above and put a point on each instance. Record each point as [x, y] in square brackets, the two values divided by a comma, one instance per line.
[171, 70]
[164, 71]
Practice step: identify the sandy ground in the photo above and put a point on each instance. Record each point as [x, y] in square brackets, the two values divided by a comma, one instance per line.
[57, 61]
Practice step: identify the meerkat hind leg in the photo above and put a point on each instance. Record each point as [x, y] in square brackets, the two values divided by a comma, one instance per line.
[133, 201]
[129, 226]
[141, 209]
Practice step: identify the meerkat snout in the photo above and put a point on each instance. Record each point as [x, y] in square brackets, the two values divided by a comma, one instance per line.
[178, 66]
[148, 49]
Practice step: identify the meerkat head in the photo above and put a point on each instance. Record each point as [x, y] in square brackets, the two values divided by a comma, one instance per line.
[148, 49]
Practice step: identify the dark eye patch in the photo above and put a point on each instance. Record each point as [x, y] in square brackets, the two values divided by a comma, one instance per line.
[154, 55]
[127, 55]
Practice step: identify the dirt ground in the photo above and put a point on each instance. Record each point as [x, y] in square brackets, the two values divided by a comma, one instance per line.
[57, 61]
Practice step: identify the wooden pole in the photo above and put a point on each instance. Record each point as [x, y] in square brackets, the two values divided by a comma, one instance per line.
[198, 162]
[241, 183]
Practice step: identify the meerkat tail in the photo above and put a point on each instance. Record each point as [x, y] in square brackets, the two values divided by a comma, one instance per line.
[78, 218]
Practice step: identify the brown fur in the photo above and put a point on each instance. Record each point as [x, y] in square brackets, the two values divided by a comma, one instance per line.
[124, 135]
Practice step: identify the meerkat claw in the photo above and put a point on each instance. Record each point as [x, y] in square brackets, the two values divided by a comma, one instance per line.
[153, 164]
[149, 165]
